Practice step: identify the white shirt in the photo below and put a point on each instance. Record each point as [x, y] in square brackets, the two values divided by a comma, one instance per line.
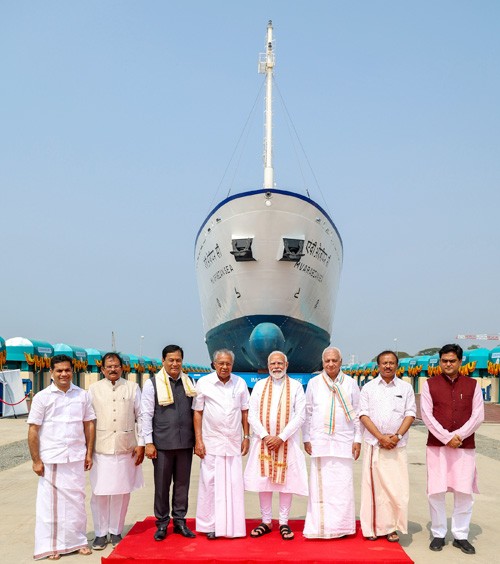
[222, 405]
[318, 402]
[387, 405]
[61, 416]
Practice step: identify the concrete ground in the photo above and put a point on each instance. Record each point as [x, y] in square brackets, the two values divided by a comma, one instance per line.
[18, 491]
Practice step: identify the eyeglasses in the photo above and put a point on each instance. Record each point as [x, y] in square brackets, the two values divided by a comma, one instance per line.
[448, 361]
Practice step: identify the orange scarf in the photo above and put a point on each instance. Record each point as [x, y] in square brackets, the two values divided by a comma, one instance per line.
[273, 464]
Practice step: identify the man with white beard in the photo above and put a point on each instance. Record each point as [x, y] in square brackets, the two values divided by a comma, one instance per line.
[276, 462]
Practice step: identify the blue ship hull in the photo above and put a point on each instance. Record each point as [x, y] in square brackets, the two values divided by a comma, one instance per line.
[252, 338]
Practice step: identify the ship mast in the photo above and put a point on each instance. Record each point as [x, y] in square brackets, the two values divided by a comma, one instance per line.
[266, 66]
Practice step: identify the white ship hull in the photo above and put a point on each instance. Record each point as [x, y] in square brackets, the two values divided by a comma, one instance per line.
[278, 294]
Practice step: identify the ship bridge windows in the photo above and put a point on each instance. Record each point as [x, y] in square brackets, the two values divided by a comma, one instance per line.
[292, 249]
[242, 249]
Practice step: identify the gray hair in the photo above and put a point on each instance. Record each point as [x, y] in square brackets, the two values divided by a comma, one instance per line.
[277, 352]
[335, 349]
[221, 352]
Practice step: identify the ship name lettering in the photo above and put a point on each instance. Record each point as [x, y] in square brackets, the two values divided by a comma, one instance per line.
[212, 256]
[221, 272]
[313, 273]
[317, 251]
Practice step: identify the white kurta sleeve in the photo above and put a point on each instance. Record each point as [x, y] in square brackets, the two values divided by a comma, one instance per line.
[245, 397]
[306, 428]
[138, 417]
[298, 414]
[199, 401]
[37, 411]
[89, 413]
[253, 412]
[355, 399]
[147, 411]
[411, 405]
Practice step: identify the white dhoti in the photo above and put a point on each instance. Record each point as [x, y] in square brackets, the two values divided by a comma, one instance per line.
[221, 504]
[385, 491]
[112, 477]
[330, 507]
[61, 520]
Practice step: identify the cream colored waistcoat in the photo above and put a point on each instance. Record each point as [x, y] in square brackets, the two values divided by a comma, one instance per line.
[114, 409]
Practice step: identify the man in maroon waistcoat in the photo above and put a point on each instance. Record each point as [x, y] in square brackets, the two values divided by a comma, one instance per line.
[452, 409]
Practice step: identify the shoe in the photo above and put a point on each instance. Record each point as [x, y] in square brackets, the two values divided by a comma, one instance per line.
[114, 539]
[181, 529]
[211, 536]
[437, 544]
[160, 534]
[464, 545]
[100, 543]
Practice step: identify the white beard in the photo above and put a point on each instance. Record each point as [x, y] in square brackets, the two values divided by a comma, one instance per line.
[278, 375]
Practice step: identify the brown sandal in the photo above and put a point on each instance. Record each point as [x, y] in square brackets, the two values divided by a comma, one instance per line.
[393, 537]
[260, 531]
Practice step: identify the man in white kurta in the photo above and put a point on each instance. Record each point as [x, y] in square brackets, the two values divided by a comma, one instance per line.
[60, 439]
[332, 438]
[276, 461]
[118, 455]
[452, 409]
[387, 410]
[222, 438]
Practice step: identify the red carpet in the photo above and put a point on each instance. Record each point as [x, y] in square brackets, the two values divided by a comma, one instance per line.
[139, 546]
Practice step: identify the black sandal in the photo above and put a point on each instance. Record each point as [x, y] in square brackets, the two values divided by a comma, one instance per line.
[260, 531]
[285, 530]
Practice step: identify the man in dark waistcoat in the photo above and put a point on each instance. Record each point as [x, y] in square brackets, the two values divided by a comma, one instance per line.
[169, 435]
[452, 409]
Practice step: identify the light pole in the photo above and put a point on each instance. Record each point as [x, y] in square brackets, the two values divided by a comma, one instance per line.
[140, 345]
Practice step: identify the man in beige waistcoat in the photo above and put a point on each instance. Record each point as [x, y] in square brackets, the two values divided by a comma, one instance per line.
[118, 452]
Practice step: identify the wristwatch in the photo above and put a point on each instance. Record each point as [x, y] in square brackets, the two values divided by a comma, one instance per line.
[246, 436]
[399, 436]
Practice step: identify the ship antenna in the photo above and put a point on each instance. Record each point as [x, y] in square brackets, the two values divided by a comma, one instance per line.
[266, 66]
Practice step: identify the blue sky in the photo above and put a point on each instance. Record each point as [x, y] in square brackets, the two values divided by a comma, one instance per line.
[119, 118]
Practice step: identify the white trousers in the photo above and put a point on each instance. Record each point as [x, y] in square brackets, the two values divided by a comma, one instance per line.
[266, 506]
[108, 512]
[460, 519]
